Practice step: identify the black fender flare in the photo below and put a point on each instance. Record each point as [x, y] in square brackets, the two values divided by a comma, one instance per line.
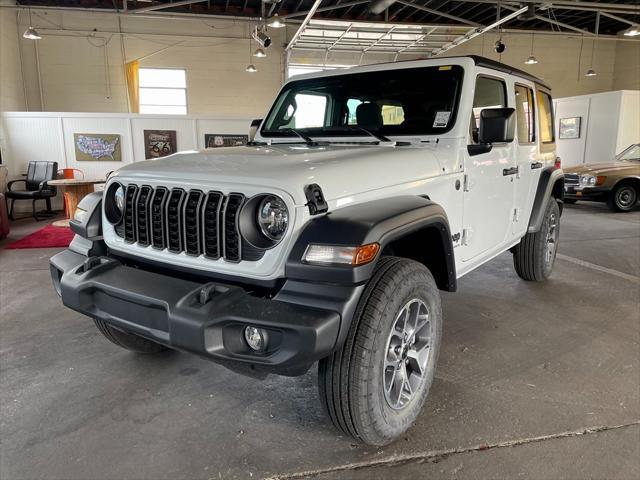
[550, 187]
[382, 221]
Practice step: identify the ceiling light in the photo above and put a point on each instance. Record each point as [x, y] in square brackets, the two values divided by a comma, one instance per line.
[251, 68]
[590, 73]
[632, 31]
[276, 22]
[32, 34]
[531, 60]
[259, 53]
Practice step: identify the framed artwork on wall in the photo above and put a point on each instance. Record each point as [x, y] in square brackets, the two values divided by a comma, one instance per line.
[570, 127]
[216, 140]
[159, 143]
[97, 146]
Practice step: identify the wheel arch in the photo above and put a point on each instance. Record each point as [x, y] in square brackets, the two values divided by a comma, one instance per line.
[550, 186]
[632, 180]
[408, 226]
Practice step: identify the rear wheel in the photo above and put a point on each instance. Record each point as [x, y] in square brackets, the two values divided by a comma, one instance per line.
[623, 198]
[127, 340]
[534, 256]
[375, 386]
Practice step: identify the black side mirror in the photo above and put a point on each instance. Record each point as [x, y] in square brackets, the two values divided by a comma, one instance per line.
[497, 125]
[253, 129]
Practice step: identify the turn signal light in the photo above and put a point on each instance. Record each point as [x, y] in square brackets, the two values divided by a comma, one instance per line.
[365, 253]
[600, 179]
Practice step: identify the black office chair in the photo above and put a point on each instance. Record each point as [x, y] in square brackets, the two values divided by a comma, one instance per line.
[36, 187]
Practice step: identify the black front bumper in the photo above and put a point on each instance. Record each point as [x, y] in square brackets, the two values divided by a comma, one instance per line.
[595, 194]
[206, 319]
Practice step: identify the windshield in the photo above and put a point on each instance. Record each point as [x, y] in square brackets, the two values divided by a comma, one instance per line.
[631, 154]
[412, 101]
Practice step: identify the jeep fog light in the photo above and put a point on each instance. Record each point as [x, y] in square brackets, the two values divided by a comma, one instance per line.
[340, 255]
[256, 338]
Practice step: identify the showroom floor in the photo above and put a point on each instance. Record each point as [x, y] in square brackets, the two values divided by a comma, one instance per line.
[534, 381]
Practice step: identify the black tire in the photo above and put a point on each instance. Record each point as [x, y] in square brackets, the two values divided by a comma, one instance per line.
[530, 257]
[127, 340]
[352, 380]
[570, 201]
[623, 198]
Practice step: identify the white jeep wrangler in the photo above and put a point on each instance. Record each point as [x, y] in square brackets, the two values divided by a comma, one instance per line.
[328, 237]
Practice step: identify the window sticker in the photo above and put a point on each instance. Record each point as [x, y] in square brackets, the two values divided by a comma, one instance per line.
[441, 120]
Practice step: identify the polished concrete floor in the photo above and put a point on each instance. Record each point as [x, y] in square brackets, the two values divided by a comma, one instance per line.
[534, 381]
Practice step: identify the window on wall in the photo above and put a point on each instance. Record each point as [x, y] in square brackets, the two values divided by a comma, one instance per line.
[163, 91]
[525, 114]
[546, 117]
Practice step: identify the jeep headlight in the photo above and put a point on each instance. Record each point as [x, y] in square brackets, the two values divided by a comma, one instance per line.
[114, 203]
[587, 180]
[264, 221]
[273, 217]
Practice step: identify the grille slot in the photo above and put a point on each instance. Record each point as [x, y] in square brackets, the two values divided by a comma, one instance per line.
[193, 222]
[174, 220]
[142, 215]
[571, 179]
[157, 218]
[192, 226]
[129, 213]
[211, 223]
[231, 233]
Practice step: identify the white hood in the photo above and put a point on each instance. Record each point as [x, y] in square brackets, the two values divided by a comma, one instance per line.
[342, 170]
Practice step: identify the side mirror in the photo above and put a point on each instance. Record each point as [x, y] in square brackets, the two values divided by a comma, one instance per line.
[497, 125]
[253, 129]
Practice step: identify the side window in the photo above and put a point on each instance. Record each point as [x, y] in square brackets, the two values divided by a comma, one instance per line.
[525, 115]
[306, 111]
[490, 93]
[546, 117]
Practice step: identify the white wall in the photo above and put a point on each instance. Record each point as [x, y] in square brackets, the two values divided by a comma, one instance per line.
[49, 137]
[83, 74]
[610, 123]
[11, 89]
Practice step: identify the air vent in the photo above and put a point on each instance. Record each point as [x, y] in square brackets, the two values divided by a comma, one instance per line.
[232, 244]
[129, 213]
[174, 220]
[192, 222]
[210, 224]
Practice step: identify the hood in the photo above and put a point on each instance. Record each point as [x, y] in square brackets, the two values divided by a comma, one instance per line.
[597, 168]
[339, 170]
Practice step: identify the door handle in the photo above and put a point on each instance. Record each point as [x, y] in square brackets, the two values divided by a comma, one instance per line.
[535, 165]
[510, 171]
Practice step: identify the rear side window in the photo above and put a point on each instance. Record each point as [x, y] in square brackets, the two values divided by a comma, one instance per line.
[490, 93]
[546, 117]
[525, 115]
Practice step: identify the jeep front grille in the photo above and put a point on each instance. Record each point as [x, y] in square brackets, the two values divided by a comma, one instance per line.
[189, 221]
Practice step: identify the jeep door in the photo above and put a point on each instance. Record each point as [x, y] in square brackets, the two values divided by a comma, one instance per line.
[489, 186]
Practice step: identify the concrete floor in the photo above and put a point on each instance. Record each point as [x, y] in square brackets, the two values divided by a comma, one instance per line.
[534, 381]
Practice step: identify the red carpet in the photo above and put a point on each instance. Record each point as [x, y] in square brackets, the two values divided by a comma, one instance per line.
[47, 237]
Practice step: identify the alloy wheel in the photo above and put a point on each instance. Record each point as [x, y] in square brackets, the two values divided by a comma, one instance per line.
[551, 240]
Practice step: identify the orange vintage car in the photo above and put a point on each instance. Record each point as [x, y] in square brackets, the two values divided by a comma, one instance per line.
[616, 182]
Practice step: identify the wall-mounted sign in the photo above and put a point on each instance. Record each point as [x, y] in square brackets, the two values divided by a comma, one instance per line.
[216, 140]
[159, 143]
[97, 146]
[570, 127]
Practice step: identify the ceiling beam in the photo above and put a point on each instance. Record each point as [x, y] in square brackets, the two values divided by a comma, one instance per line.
[163, 6]
[477, 31]
[438, 13]
[327, 9]
[552, 21]
[303, 25]
[619, 19]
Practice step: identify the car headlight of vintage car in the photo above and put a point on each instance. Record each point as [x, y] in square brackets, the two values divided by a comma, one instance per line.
[587, 180]
[114, 203]
[264, 221]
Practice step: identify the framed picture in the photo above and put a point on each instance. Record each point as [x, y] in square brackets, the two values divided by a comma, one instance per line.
[159, 143]
[97, 146]
[216, 140]
[570, 127]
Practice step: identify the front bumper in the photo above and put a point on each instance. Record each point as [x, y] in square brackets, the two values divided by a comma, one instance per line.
[585, 193]
[206, 319]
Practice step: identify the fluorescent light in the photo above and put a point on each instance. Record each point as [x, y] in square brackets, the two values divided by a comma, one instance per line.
[259, 53]
[531, 60]
[251, 68]
[632, 31]
[32, 34]
[276, 22]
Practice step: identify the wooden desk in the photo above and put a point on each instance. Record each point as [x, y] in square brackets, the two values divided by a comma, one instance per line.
[74, 191]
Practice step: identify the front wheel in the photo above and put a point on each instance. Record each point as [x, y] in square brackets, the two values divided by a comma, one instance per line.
[623, 198]
[534, 256]
[375, 386]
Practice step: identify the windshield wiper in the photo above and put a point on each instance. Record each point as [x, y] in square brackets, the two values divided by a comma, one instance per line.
[308, 140]
[377, 136]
